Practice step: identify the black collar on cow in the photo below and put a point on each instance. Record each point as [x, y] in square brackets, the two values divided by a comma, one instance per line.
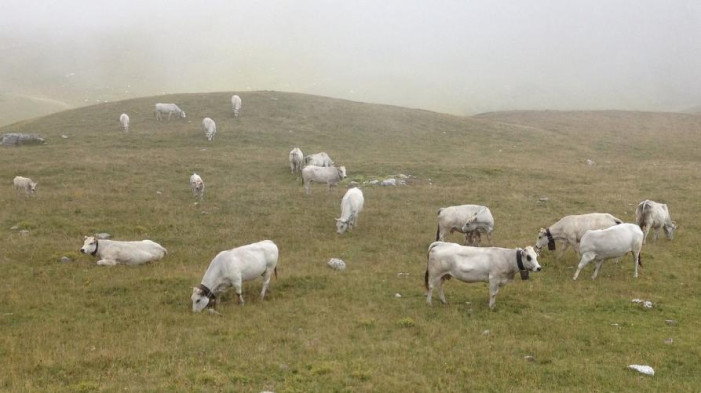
[207, 292]
[94, 252]
[519, 260]
[551, 240]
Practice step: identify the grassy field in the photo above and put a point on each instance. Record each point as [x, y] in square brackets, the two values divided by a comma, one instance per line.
[77, 327]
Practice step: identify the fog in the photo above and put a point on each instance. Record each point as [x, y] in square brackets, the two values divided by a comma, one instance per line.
[460, 57]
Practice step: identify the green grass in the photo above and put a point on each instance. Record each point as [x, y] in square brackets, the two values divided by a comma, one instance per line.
[79, 327]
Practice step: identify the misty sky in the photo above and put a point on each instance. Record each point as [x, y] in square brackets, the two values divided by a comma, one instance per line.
[461, 57]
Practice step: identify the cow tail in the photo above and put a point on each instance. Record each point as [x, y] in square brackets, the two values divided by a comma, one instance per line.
[640, 260]
[275, 271]
[426, 279]
[438, 232]
[617, 221]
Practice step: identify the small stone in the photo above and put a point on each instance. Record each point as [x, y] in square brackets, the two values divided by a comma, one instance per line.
[389, 182]
[158, 192]
[615, 324]
[402, 274]
[353, 184]
[397, 295]
[486, 333]
[670, 322]
[65, 259]
[647, 304]
[24, 232]
[14, 228]
[372, 182]
[669, 341]
[637, 301]
[529, 358]
[103, 235]
[337, 264]
[402, 176]
[544, 199]
[591, 162]
[643, 369]
[64, 136]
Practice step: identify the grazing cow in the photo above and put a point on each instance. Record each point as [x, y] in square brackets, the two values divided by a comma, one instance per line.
[163, 109]
[601, 244]
[318, 159]
[124, 121]
[296, 159]
[236, 104]
[351, 206]
[494, 265]
[467, 219]
[650, 214]
[329, 175]
[570, 229]
[233, 267]
[24, 184]
[197, 185]
[112, 252]
[210, 128]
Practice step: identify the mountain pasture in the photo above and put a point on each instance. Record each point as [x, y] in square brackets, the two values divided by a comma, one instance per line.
[74, 326]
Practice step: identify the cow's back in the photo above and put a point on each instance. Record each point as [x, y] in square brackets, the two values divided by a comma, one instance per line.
[579, 224]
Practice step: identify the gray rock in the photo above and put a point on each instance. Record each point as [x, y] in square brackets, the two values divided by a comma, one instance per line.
[103, 235]
[65, 259]
[389, 182]
[336, 264]
[591, 162]
[669, 341]
[544, 199]
[24, 232]
[486, 333]
[64, 136]
[16, 139]
[14, 228]
[372, 182]
[529, 358]
[670, 322]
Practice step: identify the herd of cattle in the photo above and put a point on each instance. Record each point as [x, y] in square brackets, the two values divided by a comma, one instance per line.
[594, 237]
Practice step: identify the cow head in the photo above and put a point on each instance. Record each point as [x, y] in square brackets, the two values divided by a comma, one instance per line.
[341, 226]
[342, 172]
[470, 225]
[89, 245]
[33, 187]
[669, 229]
[199, 300]
[530, 259]
[182, 114]
[543, 239]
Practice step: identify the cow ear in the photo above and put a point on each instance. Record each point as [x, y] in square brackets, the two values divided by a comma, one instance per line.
[85, 238]
[196, 290]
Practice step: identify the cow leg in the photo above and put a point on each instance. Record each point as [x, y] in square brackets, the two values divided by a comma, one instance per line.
[586, 258]
[489, 238]
[646, 231]
[107, 262]
[597, 266]
[565, 246]
[441, 295]
[266, 281]
[636, 256]
[307, 187]
[493, 291]
[237, 284]
[657, 235]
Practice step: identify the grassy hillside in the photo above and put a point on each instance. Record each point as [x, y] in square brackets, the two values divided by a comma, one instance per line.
[79, 327]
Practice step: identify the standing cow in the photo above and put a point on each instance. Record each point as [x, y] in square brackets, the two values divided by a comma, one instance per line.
[570, 229]
[167, 109]
[233, 267]
[236, 104]
[318, 159]
[210, 128]
[296, 160]
[197, 185]
[467, 219]
[24, 184]
[329, 175]
[614, 242]
[494, 265]
[650, 214]
[351, 205]
[124, 121]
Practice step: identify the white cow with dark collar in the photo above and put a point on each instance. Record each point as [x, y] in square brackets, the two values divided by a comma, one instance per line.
[494, 265]
[233, 267]
[570, 229]
[112, 252]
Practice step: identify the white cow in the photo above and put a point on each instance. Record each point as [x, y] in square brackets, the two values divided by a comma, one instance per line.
[318, 159]
[24, 184]
[163, 109]
[494, 265]
[329, 175]
[197, 185]
[233, 267]
[124, 121]
[650, 214]
[351, 206]
[210, 128]
[236, 104]
[113, 252]
[614, 242]
[296, 160]
[570, 229]
[455, 218]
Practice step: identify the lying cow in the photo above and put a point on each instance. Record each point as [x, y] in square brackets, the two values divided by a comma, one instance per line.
[233, 267]
[614, 242]
[329, 175]
[494, 265]
[296, 160]
[24, 184]
[351, 206]
[167, 109]
[318, 159]
[124, 121]
[113, 252]
[650, 214]
[570, 229]
[197, 185]
[468, 219]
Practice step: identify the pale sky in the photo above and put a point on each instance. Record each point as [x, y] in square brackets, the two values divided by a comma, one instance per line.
[461, 57]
